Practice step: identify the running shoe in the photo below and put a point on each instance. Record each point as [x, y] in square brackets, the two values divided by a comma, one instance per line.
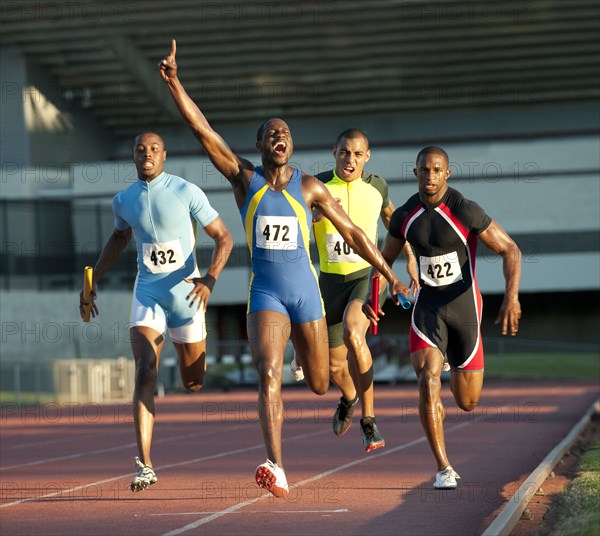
[296, 369]
[446, 479]
[446, 366]
[144, 477]
[342, 418]
[371, 435]
[272, 478]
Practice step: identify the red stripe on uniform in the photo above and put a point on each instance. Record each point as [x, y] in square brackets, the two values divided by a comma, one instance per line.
[446, 210]
[408, 218]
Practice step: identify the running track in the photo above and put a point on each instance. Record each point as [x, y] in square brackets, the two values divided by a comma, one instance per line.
[66, 470]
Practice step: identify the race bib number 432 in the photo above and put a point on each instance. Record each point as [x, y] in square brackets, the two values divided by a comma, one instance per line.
[162, 257]
[277, 232]
[441, 270]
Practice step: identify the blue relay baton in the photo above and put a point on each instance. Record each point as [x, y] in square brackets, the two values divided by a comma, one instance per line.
[404, 301]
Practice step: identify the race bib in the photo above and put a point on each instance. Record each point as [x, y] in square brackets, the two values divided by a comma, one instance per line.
[162, 257]
[441, 270]
[339, 251]
[277, 232]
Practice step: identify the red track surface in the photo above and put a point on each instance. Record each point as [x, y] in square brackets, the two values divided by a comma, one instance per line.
[67, 470]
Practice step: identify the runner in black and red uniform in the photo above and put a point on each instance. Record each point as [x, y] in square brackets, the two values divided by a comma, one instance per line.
[443, 229]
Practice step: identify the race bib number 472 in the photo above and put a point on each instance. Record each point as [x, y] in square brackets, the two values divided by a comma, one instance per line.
[277, 232]
[441, 270]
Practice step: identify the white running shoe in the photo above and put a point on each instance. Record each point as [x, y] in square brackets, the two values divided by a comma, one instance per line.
[272, 478]
[446, 366]
[446, 479]
[296, 369]
[144, 477]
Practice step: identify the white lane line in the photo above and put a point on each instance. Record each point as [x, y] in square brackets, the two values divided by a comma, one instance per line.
[232, 509]
[177, 464]
[121, 447]
[338, 511]
[47, 442]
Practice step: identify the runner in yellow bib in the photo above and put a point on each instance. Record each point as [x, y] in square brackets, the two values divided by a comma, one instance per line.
[344, 281]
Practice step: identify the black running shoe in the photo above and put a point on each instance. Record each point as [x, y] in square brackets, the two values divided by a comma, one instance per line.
[342, 419]
[370, 434]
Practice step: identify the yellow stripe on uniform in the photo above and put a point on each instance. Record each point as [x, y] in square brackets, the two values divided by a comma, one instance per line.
[250, 214]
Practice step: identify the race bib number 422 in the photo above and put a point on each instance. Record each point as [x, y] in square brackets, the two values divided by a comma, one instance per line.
[441, 270]
[277, 232]
[163, 257]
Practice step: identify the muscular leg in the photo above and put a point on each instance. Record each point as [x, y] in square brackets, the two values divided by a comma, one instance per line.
[339, 372]
[428, 366]
[146, 344]
[466, 388]
[192, 363]
[359, 355]
[268, 333]
[312, 349]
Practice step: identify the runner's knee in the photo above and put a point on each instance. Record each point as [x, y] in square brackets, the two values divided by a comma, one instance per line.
[146, 375]
[192, 384]
[354, 338]
[466, 404]
[429, 383]
[319, 387]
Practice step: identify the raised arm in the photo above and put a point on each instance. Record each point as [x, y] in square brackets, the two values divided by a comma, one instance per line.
[220, 154]
[496, 239]
[318, 196]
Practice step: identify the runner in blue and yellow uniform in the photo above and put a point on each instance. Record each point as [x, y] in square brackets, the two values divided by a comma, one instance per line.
[276, 201]
[443, 229]
[160, 210]
[344, 281]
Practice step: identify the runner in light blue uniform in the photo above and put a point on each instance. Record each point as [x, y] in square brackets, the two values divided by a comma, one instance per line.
[166, 245]
[283, 277]
[160, 211]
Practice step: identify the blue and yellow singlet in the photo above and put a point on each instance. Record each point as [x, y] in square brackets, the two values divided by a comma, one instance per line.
[277, 232]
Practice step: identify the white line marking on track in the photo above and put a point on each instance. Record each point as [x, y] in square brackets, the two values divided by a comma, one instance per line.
[177, 464]
[338, 511]
[232, 509]
[120, 447]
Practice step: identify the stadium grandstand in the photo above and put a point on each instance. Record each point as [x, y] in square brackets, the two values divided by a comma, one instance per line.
[510, 89]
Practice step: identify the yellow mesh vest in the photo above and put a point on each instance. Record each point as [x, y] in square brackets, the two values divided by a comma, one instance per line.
[363, 203]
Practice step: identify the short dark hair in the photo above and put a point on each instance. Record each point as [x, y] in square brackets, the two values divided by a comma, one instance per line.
[148, 132]
[261, 129]
[433, 149]
[352, 133]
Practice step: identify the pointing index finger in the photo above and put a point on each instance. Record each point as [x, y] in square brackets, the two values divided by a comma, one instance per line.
[173, 48]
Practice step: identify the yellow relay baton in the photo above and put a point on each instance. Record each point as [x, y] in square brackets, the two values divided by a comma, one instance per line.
[88, 272]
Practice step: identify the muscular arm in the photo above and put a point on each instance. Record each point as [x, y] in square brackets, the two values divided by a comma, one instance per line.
[386, 214]
[220, 154]
[390, 251]
[496, 239]
[203, 286]
[411, 261]
[109, 255]
[319, 197]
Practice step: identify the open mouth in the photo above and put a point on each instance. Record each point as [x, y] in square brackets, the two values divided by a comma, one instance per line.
[348, 170]
[279, 149]
[148, 164]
